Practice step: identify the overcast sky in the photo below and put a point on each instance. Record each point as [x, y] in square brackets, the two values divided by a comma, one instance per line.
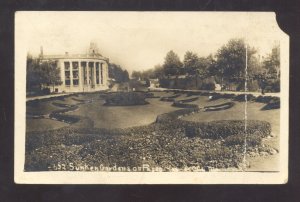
[140, 40]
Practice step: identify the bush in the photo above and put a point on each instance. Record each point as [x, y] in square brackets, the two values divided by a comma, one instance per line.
[225, 128]
[208, 86]
[184, 105]
[188, 100]
[125, 99]
[273, 104]
[224, 106]
[46, 91]
[263, 99]
[252, 140]
[241, 97]
[169, 98]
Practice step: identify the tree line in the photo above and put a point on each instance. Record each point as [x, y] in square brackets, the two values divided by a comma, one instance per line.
[227, 67]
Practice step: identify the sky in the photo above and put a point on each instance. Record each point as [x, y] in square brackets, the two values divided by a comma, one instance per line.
[141, 40]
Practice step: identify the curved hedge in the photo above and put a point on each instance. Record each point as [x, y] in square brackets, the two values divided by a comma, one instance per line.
[188, 100]
[184, 105]
[242, 98]
[272, 105]
[224, 106]
[170, 98]
[125, 99]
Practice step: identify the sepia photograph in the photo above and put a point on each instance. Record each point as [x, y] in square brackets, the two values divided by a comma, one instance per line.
[151, 98]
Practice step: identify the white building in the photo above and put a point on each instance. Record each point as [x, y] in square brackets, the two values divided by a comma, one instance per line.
[81, 72]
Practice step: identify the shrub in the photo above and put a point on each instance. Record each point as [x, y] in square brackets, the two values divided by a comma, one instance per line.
[263, 99]
[273, 104]
[184, 105]
[125, 99]
[169, 98]
[46, 91]
[241, 97]
[252, 140]
[224, 106]
[225, 128]
[188, 100]
[208, 86]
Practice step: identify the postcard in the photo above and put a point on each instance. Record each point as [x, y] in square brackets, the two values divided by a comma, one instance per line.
[150, 98]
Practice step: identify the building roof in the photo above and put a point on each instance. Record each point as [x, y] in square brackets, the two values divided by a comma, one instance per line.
[75, 56]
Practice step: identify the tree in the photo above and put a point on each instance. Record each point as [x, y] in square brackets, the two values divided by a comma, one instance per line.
[40, 73]
[125, 76]
[136, 74]
[190, 62]
[231, 61]
[172, 64]
[34, 78]
[269, 77]
[115, 71]
[158, 71]
[272, 63]
[51, 73]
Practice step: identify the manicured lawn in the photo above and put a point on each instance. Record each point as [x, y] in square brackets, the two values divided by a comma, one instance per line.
[43, 124]
[42, 107]
[123, 116]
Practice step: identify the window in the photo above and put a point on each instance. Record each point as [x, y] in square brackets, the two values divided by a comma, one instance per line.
[101, 73]
[75, 65]
[67, 66]
[97, 73]
[75, 72]
[75, 82]
[67, 73]
[67, 82]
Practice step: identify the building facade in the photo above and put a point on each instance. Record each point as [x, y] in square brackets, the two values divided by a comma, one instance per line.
[80, 72]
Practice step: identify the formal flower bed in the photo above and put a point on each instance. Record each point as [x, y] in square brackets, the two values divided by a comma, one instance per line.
[168, 143]
[170, 98]
[155, 145]
[223, 106]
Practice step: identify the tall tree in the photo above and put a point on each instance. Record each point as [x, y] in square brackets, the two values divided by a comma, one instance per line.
[272, 63]
[190, 62]
[231, 60]
[136, 74]
[40, 73]
[115, 71]
[172, 64]
[51, 73]
[158, 71]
